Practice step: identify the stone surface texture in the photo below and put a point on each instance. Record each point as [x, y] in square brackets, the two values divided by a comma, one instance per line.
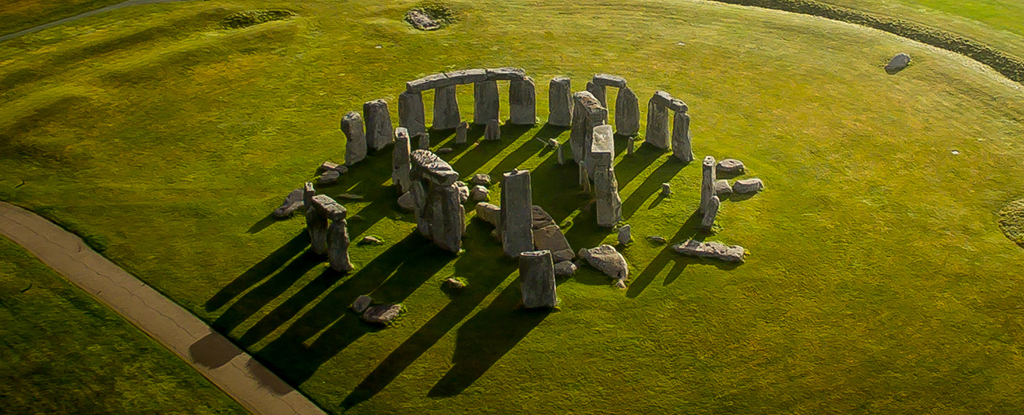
[361, 303]
[516, 213]
[627, 112]
[730, 167]
[479, 194]
[604, 79]
[722, 187]
[560, 102]
[493, 131]
[461, 133]
[379, 129]
[565, 268]
[707, 183]
[486, 102]
[607, 260]
[657, 133]
[411, 114]
[489, 213]
[747, 186]
[550, 238]
[446, 108]
[522, 102]
[537, 279]
[291, 203]
[625, 235]
[710, 212]
[355, 138]
[440, 215]
[713, 250]
[337, 246]
[599, 92]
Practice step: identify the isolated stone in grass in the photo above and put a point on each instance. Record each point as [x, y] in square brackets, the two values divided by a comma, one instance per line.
[461, 133]
[371, 240]
[481, 179]
[656, 239]
[1011, 221]
[565, 268]
[430, 17]
[382, 314]
[454, 283]
[607, 260]
[722, 187]
[748, 186]
[713, 250]
[729, 167]
[291, 203]
[361, 303]
[479, 194]
[627, 112]
[253, 17]
[625, 236]
[537, 279]
[897, 63]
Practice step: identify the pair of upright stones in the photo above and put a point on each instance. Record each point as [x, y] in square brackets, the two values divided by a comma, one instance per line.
[536, 267]
[593, 147]
[431, 182]
[657, 125]
[521, 91]
[627, 108]
[376, 135]
[328, 229]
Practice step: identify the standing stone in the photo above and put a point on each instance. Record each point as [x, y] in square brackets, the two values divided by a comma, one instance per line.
[493, 131]
[657, 125]
[446, 108]
[400, 164]
[378, 124]
[599, 92]
[681, 147]
[625, 236]
[355, 139]
[709, 213]
[707, 184]
[486, 102]
[601, 153]
[560, 102]
[537, 278]
[320, 210]
[609, 204]
[423, 141]
[587, 113]
[337, 246]
[584, 179]
[448, 218]
[307, 195]
[630, 145]
[666, 189]
[516, 213]
[560, 155]
[460, 133]
[627, 113]
[440, 215]
[410, 112]
[522, 102]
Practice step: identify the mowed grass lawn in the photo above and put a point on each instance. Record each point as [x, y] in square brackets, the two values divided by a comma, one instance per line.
[16, 15]
[64, 353]
[878, 279]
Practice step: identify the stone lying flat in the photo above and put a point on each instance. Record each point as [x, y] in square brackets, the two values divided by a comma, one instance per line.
[379, 132]
[516, 216]
[421, 21]
[666, 100]
[411, 114]
[565, 268]
[381, 314]
[454, 283]
[350, 196]
[479, 194]
[428, 165]
[361, 303]
[729, 167]
[897, 63]
[292, 202]
[604, 79]
[489, 213]
[722, 187]
[481, 179]
[505, 74]
[713, 250]
[328, 178]
[466, 76]
[328, 166]
[541, 218]
[550, 238]
[371, 240]
[748, 186]
[657, 239]
[607, 260]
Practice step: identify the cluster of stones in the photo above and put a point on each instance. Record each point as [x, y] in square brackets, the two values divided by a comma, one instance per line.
[437, 199]
[657, 125]
[328, 229]
[381, 314]
[522, 96]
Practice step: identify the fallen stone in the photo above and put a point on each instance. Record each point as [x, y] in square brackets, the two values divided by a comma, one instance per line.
[722, 187]
[660, 240]
[463, 191]
[522, 102]
[481, 179]
[292, 202]
[371, 240]
[746, 186]
[355, 138]
[411, 114]
[550, 238]
[607, 260]
[609, 80]
[328, 178]
[361, 303]
[729, 167]
[326, 166]
[516, 213]
[337, 244]
[565, 268]
[479, 194]
[493, 131]
[657, 133]
[897, 63]
[381, 314]
[666, 189]
[489, 213]
[682, 148]
[560, 102]
[625, 236]
[446, 108]
[454, 284]
[350, 196]
[713, 250]
[407, 202]
[421, 21]
[486, 102]
[379, 132]
[537, 279]
[627, 112]
[445, 150]
[423, 141]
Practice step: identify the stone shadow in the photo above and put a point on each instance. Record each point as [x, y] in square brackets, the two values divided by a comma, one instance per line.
[663, 174]
[631, 166]
[689, 229]
[259, 271]
[262, 224]
[266, 292]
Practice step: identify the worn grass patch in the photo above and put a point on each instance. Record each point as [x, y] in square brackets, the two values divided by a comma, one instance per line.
[1011, 221]
[248, 18]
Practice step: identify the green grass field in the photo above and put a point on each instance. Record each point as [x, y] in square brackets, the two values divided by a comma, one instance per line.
[18, 15]
[66, 353]
[878, 279]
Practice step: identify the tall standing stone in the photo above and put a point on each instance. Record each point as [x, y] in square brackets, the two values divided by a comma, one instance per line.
[630, 145]
[446, 108]
[486, 102]
[599, 92]
[657, 125]
[522, 101]
[337, 240]
[493, 131]
[307, 195]
[537, 279]
[516, 213]
[681, 147]
[461, 132]
[707, 183]
[423, 141]
[709, 213]
[410, 112]
[400, 164]
[560, 102]
[440, 215]
[587, 113]
[378, 124]
[606, 187]
[627, 112]
[584, 176]
[355, 139]
[320, 210]
[602, 149]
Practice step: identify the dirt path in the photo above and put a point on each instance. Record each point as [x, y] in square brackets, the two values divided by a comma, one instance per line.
[219, 360]
[81, 15]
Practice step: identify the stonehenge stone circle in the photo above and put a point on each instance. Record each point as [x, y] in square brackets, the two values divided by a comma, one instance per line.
[486, 102]
[440, 215]
[746, 186]
[292, 202]
[627, 112]
[729, 167]
[307, 195]
[446, 108]
[560, 102]
[707, 184]
[666, 100]
[378, 124]
[714, 250]
[337, 243]
[599, 92]
[516, 213]
[400, 161]
[587, 113]
[710, 212]
[411, 113]
[537, 279]
[489, 213]
[479, 194]
[522, 102]
[493, 131]
[355, 139]
[681, 147]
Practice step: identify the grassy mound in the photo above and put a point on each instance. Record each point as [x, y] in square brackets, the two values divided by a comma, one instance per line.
[1011, 221]
[248, 18]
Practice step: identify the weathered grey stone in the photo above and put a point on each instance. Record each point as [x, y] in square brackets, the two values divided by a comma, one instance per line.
[729, 167]
[609, 204]
[553, 143]
[707, 183]
[466, 76]
[401, 165]
[540, 218]
[604, 79]
[292, 202]
[371, 240]
[428, 166]
[710, 212]
[607, 260]
[378, 124]
[666, 189]
[897, 63]
[537, 279]
[421, 21]
[550, 238]
[657, 125]
[625, 236]
[746, 186]
[423, 141]
[666, 100]
[328, 166]
[630, 145]
[461, 133]
[560, 102]
[328, 178]
[381, 314]
[445, 150]
[411, 114]
[479, 194]
[599, 92]
[486, 102]
[627, 112]
[516, 213]
[463, 191]
[722, 187]
[493, 131]
[565, 268]
[320, 209]
[601, 153]
[522, 102]
[454, 284]
[481, 179]
[337, 246]
[361, 303]
[355, 138]
[681, 147]
[559, 155]
[713, 250]
[447, 216]
[587, 114]
[584, 178]
[505, 74]
[656, 239]
[307, 195]
[407, 202]
[489, 213]
[446, 108]
[432, 81]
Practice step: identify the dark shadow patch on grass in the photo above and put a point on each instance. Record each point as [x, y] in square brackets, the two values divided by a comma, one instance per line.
[629, 167]
[479, 155]
[365, 179]
[689, 229]
[260, 296]
[556, 188]
[290, 308]
[212, 351]
[262, 224]
[517, 157]
[739, 197]
[473, 135]
[259, 271]
[16, 139]
[651, 184]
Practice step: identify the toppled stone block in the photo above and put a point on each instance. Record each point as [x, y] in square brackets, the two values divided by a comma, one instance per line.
[607, 260]
[486, 102]
[565, 268]
[382, 314]
[541, 218]
[537, 279]
[897, 63]
[747, 186]
[722, 187]
[481, 179]
[713, 250]
[522, 102]
[292, 202]
[657, 239]
[371, 240]
[427, 165]
[407, 202]
[361, 303]
[550, 238]
[479, 194]
[729, 167]
[604, 79]
[328, 178]
[489, 213]
[421, 21]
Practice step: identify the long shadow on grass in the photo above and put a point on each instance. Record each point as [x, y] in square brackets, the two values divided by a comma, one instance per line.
[483, 274]
[262, 295]
[484, 151]
[651, 184]
[389, 278]
[258, 272]
[526, 150]
[631, 166]
[367, 180]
